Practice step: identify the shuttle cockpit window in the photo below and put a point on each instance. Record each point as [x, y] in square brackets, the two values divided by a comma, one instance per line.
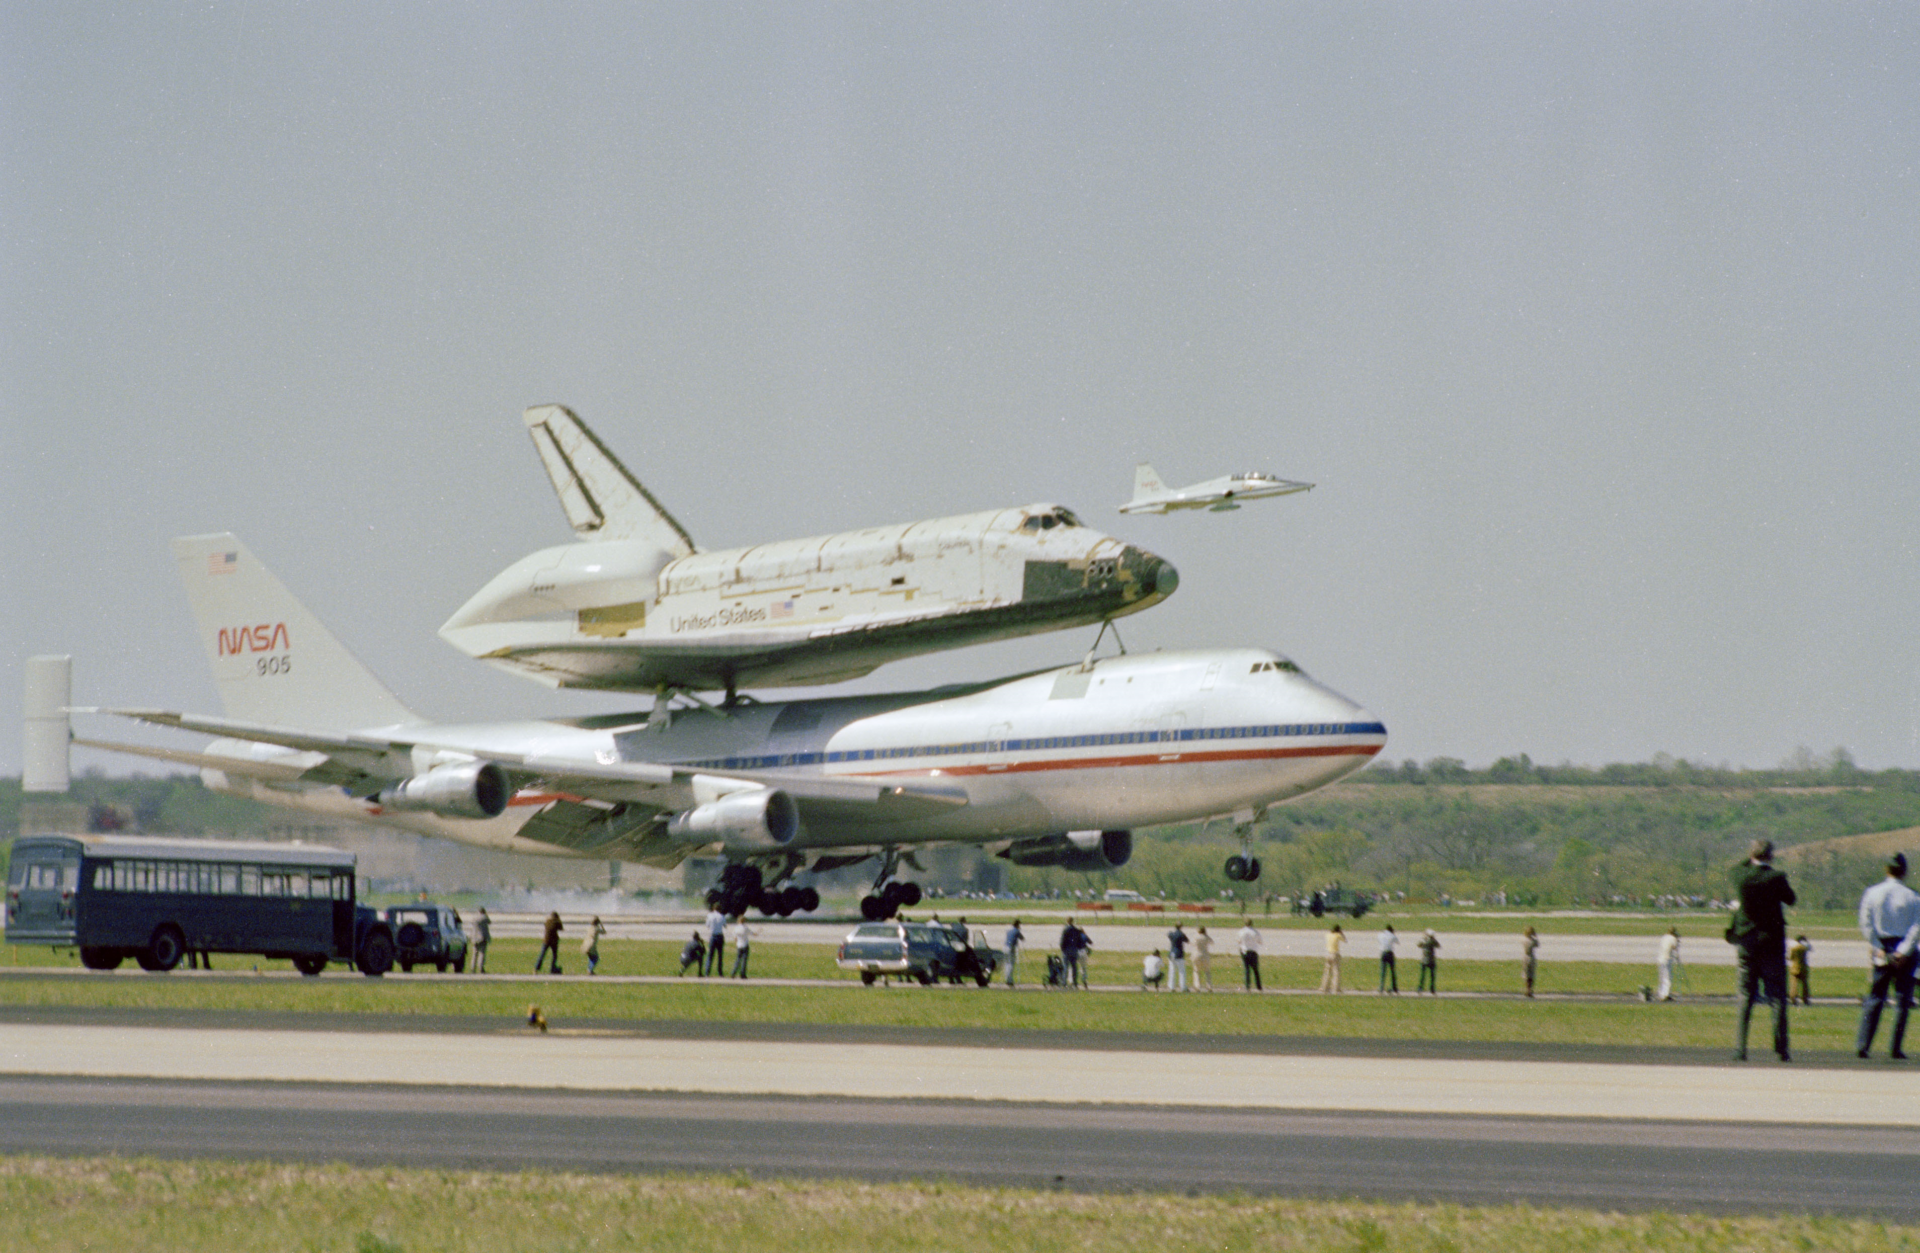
[1282, 665]
[1050, 520]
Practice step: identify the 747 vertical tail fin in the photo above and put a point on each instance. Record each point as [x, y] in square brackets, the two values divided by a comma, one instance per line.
[274, 663]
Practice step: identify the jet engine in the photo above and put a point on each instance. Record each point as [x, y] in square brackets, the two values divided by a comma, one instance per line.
[471, 789]
[753, 820]
[1073, 850]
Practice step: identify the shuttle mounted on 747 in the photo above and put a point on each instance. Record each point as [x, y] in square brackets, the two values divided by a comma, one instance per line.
[633, 605]
[1053, 768]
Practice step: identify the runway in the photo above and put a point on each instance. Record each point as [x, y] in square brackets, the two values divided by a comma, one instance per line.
[1604, 1164]
[644, 1098]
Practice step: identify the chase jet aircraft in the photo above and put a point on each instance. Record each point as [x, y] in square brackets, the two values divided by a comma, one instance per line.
[634, 606]
[1052, 768]
[1150, 495]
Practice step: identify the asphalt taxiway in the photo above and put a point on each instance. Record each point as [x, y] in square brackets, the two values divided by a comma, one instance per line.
[1311, 1118]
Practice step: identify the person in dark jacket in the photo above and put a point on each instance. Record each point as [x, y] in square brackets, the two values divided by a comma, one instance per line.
[1759, 930]
[550, 943]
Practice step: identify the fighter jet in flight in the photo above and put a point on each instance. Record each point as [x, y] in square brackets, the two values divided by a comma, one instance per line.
[1150, 495]
[635, 606]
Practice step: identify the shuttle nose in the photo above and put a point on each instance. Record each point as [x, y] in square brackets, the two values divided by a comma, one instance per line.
[1154, 577]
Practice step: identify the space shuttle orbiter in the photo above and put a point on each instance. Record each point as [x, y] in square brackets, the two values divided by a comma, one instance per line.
[633, 605]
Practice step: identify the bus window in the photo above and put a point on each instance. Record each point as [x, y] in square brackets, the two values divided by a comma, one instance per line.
[249, 880]
[273, 883]
[296, 883]
[229, 880]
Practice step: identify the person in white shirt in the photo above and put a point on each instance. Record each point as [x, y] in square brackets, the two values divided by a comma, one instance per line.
[1890, 921]
[1152, 970]
[1389, 972]
[1203, 959]
[1250, 955]
[742, 941]
[716, 963]
[1669, 958]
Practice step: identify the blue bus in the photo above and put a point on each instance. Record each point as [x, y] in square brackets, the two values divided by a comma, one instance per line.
[157, 900]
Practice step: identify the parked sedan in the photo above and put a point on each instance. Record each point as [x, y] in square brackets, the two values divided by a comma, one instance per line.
[919, 950]
[428, 935]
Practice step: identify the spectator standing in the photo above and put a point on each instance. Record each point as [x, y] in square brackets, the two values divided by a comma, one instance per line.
[1203, 958]
[1389, 971]
[742, 945]
[482, 937]
[1529, 957]
[1073, 951]
[1152, 971]
[1759, 930]
[590, 945]
[716, 944]
[1890, 921]
[1429, 964]
[1330, 976]
[1250, 956]
[1799, 956]
[550, 942]
[1015, 938]
[1669, 959]
[1177, 957]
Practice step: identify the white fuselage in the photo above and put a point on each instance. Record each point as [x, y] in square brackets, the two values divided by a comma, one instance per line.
[1127, 742]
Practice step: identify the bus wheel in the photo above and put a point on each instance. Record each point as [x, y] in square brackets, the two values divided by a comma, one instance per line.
[101, 958]
[376, 954]
[164, 950]
[312, 964]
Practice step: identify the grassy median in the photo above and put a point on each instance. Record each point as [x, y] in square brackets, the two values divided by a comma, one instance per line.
[130, 1206]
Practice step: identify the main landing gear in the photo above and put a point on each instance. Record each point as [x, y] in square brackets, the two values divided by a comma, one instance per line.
[1244, 867]
[741, 889]
[884, 902]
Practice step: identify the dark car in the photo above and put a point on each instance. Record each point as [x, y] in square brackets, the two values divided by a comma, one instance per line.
[920, 950]
[426, 935]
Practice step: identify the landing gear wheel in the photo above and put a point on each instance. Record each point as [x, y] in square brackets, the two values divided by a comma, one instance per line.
[164, 950]
[1236, 868]
[1253, 869]
[809, 900]
[910, 895]
[310, 965]
[872, 909]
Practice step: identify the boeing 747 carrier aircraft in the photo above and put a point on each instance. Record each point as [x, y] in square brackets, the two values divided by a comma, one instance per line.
[1050, 768]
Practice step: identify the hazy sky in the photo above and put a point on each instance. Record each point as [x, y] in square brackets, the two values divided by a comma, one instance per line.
[1596, 325]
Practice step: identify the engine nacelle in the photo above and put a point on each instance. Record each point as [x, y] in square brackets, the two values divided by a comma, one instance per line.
[1074, 850]
[470, 789]
[754, 820]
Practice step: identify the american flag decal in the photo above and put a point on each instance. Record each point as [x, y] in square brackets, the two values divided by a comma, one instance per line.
[782, 609]
[223, 563]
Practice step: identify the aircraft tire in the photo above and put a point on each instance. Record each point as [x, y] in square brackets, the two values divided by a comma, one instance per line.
[910, 894]
[809, 900]
[1253, 869]
[871, 908]
[1236, 868]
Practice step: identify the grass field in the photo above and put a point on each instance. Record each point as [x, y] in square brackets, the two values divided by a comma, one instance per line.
[1611, 1015]
[133, 1206]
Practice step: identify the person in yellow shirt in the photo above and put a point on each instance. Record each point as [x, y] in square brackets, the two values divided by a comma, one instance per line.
[1330, 977]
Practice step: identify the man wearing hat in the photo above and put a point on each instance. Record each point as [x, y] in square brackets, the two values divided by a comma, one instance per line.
[1890, 920]
[1759, 928]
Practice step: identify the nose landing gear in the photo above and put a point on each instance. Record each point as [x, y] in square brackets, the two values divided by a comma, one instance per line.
[1243, 867]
